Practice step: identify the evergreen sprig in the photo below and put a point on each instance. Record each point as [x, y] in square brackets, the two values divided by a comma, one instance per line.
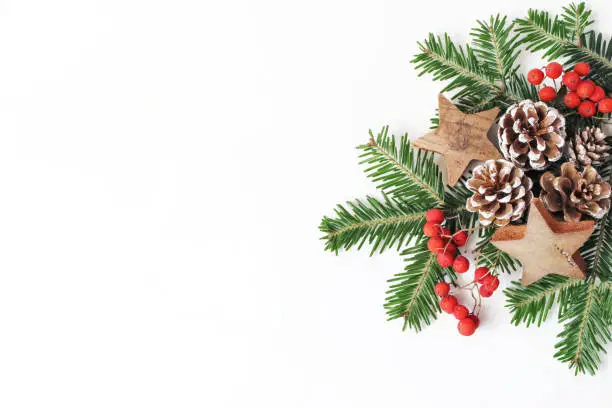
[586, 327]
[411, 292]
[496, 46]
[401, 171]
[531, 304]
[380, 223]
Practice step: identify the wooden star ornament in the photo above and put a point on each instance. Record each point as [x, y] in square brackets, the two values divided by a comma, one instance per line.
[545, 245]
[460, 138]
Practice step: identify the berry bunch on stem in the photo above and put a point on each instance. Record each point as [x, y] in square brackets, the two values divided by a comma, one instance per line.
[581, 93]
[444, 243]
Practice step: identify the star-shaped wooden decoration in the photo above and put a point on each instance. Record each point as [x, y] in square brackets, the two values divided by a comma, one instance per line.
[545, 245]
[460, 138]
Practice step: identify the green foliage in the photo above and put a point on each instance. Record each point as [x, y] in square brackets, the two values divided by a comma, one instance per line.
[586, 327]
[401, 171]
[411, 294]
[495, 45]
[380, 223]
[531, 304]
[566, 36]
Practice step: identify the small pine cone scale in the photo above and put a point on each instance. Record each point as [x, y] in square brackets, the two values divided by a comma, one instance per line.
[575, 193]
[588, 147]
[501, 190]
[531, 135]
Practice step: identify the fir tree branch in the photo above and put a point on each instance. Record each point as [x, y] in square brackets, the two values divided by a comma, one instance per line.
[467, 74]
[577, 16]
[401, 171]
[411, 291]
[531, 304]
[382, 224]
[586, 329]
[496, 47]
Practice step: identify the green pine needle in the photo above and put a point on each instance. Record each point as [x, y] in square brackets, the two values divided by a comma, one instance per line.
[411, 294]
[402, 172]
[586, 327]
[532, 304]
[380, 223]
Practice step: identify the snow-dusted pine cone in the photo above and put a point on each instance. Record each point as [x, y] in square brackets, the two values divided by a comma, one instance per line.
[575, 193]
[589, 147]
[531, 135]
[501, 190]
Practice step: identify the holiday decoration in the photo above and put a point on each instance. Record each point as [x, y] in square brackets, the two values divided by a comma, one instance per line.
[460, 138]
[589, 147]
[501, 192]
[537, 208]
[543, 250]
[531, 135]
[575, 193]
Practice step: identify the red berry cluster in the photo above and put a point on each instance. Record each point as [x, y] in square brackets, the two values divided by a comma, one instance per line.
[581, 93]
[444, 243]
[468, 322]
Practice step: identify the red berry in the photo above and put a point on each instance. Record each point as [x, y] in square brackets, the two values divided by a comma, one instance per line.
[441, 289]
[435, 245]
[475, 319]
[460, 238]
[448, 304]
[480, 273]
[461, 312]
[547, 93]
[445, 233]
[450, 249]
[535, 76]
[582, 68]
[434, 215]
[466, 327]
[461, 264]
[598, 94]
[585, 89]
[490, 281]
[445, 259]
[571, 80]
[605, 105]
[431, 230]
[554, 70]
[571, 100]
[485, 291]
[586, 109]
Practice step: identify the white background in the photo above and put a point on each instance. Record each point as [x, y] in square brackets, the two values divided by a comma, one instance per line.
[164, 166]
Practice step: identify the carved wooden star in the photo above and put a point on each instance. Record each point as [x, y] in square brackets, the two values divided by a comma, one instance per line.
[460, 138]
[545, 245]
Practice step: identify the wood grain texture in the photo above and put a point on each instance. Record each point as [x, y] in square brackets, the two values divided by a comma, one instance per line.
[546, 245]
[460, 138]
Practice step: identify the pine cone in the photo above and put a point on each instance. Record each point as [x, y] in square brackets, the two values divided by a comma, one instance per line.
[502, 192]
[575, 193]
[589, 147]
[531, 135]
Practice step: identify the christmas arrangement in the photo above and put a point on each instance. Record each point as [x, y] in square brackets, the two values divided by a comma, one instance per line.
[526, 188]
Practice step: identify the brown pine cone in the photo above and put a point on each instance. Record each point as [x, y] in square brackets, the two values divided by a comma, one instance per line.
[501, 190]
[531, 135]
[589, 147]
[575, 193]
